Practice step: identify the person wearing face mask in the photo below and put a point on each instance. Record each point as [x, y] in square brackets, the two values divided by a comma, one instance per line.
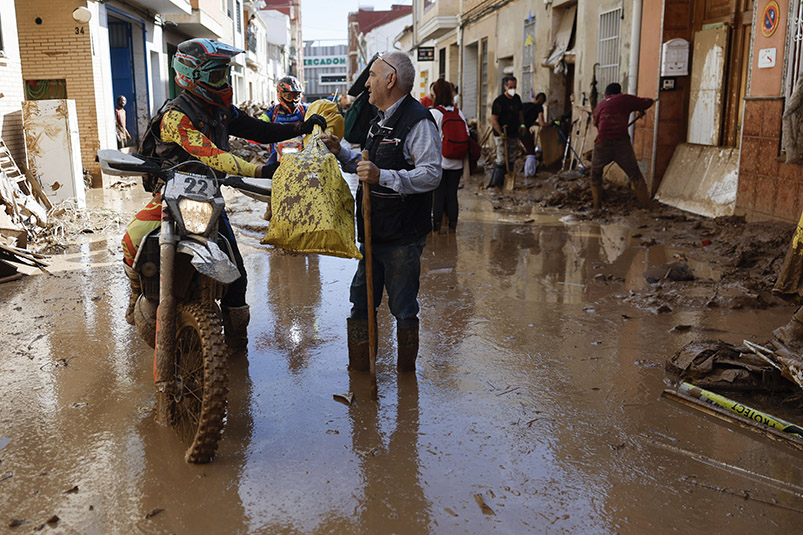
[507, 120]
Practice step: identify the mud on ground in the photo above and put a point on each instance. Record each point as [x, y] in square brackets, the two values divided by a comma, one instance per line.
[733, 264]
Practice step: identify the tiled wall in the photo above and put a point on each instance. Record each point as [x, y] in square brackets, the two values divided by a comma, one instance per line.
[768, 188]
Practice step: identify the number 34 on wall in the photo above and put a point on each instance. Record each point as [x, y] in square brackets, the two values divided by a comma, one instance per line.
[79, 30]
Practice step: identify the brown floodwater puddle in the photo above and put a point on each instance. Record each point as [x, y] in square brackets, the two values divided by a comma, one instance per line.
[536, 406]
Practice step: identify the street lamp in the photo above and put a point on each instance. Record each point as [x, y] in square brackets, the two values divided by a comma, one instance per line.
[81, 15]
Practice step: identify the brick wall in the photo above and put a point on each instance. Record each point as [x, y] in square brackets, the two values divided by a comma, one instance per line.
[11, 86]
[768, 188]
[60, 48]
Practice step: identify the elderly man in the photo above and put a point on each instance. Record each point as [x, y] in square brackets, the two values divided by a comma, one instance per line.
[405, 167]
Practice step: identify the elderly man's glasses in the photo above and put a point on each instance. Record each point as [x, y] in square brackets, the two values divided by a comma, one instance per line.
[388, 64]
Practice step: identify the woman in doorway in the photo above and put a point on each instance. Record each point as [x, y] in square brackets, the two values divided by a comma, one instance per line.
[445, 197]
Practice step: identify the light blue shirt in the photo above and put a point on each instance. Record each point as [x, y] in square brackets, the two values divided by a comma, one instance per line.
[422, 148]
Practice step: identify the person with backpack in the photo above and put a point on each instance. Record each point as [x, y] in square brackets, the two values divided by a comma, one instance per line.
[453, 130]
[195, 126]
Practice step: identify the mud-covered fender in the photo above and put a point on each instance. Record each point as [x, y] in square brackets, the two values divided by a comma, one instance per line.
[210, 260]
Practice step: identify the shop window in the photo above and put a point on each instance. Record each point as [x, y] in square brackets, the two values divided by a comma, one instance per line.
[610, 25]
[45, 89]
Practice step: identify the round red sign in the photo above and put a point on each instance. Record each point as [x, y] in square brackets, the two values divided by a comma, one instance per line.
[770, 18]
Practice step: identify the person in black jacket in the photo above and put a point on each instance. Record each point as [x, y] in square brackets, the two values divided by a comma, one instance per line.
[404, 168]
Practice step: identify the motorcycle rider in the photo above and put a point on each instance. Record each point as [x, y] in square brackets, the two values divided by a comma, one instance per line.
[289, 109]
[196, 126]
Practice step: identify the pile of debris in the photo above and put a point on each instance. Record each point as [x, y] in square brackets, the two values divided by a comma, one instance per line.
[757, 379]
[23, 215]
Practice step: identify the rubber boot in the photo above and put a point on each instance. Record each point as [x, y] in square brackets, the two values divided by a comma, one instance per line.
[359, 358]
[136, 291]
[497, 177]
[642, 194]
[235, 326]
[407, 340]
[791, 334]
[596, 196]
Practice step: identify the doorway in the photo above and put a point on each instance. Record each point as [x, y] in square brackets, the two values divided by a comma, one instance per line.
[123, 76]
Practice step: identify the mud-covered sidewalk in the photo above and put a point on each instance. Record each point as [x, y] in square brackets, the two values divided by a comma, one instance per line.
[536, 407]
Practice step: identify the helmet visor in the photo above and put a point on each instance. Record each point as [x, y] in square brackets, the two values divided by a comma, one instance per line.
[218, 76]
[291, 96]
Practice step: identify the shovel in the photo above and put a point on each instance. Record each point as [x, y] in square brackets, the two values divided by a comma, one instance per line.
[369, 282]
[510, 175]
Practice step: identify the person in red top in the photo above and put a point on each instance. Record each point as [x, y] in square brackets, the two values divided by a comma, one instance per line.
[611, 118]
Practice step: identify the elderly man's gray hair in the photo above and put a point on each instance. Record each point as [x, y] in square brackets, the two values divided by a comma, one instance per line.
[404, 68]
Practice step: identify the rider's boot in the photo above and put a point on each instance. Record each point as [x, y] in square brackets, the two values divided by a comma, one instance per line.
[235, 326]
[359, 356]
[407, 341]
[136, 291]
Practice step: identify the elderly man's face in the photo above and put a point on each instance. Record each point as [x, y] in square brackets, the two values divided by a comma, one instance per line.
[380, 76]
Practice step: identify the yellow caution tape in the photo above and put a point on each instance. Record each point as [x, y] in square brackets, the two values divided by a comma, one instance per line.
[743, 410]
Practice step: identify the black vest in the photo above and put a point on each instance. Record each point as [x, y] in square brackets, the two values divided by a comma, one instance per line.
[211, 121]
[395, 218]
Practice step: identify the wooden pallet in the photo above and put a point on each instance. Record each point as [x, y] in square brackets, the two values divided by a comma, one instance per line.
[28, 185]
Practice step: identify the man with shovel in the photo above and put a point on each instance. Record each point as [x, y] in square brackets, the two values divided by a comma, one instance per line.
[613, 142]
[507, 120]
[402, 168]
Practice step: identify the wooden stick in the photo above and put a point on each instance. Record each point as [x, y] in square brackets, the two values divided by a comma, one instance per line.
[369, 281]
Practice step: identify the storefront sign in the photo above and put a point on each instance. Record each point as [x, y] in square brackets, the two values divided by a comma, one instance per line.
[426, 53]
[325, 61]
[770, 18]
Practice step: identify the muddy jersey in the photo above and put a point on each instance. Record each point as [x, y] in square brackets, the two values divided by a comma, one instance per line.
[274, 116]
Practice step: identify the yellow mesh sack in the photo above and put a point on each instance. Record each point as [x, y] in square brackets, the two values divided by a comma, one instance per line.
[313, 209]
[334, 121]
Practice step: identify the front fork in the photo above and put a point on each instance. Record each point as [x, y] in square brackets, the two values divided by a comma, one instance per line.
[165, 352]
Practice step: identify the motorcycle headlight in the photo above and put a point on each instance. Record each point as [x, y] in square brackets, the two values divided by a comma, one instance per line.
[196, 215]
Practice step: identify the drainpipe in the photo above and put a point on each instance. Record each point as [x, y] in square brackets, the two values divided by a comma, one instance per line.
[635, 48]
[460, 55]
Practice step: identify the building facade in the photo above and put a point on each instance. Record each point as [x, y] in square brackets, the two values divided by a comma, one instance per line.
[326, 70]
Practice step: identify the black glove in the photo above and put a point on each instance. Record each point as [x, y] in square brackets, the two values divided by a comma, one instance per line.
[314, 120]
[266, 171]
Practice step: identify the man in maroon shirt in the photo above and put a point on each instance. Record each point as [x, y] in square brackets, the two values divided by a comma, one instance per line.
[613, 142]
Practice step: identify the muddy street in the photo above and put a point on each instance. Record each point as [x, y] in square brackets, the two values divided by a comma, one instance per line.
[536, 406]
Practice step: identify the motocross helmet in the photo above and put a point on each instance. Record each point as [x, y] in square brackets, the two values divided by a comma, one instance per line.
[289, 90]
[202, 68]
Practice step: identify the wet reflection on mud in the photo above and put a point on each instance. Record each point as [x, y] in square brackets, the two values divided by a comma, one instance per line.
[536, 406]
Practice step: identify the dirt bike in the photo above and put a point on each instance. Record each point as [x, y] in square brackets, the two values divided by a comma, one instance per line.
[184, 268]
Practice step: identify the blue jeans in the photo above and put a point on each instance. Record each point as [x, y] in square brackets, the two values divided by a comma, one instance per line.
[396, 268]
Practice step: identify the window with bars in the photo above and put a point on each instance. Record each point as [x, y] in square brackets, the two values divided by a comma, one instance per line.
[239, 17]
[795, 49]
[610, 25]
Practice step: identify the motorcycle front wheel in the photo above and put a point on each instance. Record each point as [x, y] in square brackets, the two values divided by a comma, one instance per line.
[198, 404]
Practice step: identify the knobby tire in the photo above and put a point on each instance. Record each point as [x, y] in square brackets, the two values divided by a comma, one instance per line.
[199, 407]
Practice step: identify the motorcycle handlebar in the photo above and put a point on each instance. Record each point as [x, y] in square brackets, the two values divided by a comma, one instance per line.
[247, 184]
